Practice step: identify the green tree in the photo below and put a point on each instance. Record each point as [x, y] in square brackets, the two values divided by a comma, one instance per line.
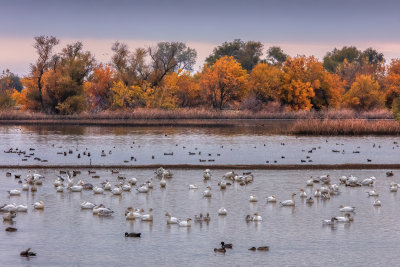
[276, 56]
[337, 56]
[248, 54]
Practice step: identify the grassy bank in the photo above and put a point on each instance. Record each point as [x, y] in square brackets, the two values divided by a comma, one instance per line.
[200, 114]
[345, 127]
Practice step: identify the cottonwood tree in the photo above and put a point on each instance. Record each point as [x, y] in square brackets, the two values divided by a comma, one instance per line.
[276, 56]
[44, 46]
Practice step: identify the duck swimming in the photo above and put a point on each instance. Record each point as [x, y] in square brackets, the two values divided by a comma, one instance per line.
[133, 234]
[223, 245]
[27, 253]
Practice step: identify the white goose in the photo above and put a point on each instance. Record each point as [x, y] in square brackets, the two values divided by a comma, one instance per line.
[130, 216]
[22, 208]
[9, 207]
[185, 223]
[107, 186]
[372, 193]
[143, 189]
[317, 193]
[76, 188]
[310, 182]
[117, 191]
[253, 198]
[87, 205]
[222, 184]
[289, 202]
[332, 221]
[170, 219]
[346, 208]
[148, 217]
[346, 218]
[377, 203]
[60, 189]
[163, 182]
[193, 186]
[126, 187]
[207, 192]
[38, 205]
[98, 190]
[302, 193]
[14, 192]
[132, 181]
[25, 187]
[222, 211]
[271, 198]
[207, 174]
[257, 218]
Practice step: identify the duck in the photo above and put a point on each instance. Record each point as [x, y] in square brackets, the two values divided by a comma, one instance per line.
[332, 221]
[310, 200]
[207, 218]
[117, 191]
[253, 248]
[302, 193]
[9, 216]
[372, 193]
[14, 192]
[27, 253]
[133, 234]
[38, 205]
[346, 208]
[289, 202]
[207, 192]
[163, 182]
[87, 205]
[220, 250]
[253, 198]
[11, 229]
[185, 223]
[143, 189]
[222, 211]
[257, 217]
[198, 218]
[193, 186]
[271, 198]
[377, 203]
[264, 248]
[170, 219]
[148, 217]
[98, 190]
[346, 218]
[223, 245]
[249, 218]
[317, 193]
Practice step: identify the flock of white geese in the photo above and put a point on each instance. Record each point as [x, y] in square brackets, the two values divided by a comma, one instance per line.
[326, 190]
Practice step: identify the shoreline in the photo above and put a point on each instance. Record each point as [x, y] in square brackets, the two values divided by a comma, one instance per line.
[353, 166]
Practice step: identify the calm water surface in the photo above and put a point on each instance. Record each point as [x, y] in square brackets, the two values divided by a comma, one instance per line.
[226, 145]
[65, 235]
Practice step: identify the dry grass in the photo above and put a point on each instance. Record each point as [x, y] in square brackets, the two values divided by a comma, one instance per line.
[200, 114]
[345, 127]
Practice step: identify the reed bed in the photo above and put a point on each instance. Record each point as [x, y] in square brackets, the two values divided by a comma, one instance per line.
[345, 127]
[197, 113]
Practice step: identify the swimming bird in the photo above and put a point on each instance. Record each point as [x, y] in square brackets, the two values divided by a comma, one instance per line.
[249, 218]
[222, 211]
[9, 207]
[207, 174]
[170, 219]
[257, 217]
[143, 189]
[38, 205]
[132, 181]
[265, 248]
[289, 202]
[223, 245]
[27, 253]
[22, 208]
[207, 218]
[9, 216]
[133, 234]
[346, 208]
[76, 188]
[105, 212]
[198, 218]
[14, 192]
[346, 218]
[271, 198]
[193, 186]
[126, 187]
[87, 205]
[332, 221]
[163, 182]
[11, 229]
[185, 223]
[130, 216]
[220, 250]
[98, 190]
[107, 186]
[117, 191]
[60, 189]
[372, 193]
[310, 182]
[222, 184]
[302, 193]
[207, 192]
[377, 203]
[148, 217]
[310, 200]
[317, 193]
[253, 198]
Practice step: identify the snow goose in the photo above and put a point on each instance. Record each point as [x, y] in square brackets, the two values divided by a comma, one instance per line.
[87, 205]
[170, 219]
[38, 205]
[257, 217]
[222, 211]
[253, 198]
[207, 192]
[346, 208]
[185, 223]
[271, 198]
[289, 202]
[148, 217]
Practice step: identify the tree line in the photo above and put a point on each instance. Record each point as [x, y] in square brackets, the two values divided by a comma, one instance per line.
[236, 75]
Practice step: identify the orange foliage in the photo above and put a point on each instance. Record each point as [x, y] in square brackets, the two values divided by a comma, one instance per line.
[98, 89]
[364, 94]
[265, 82]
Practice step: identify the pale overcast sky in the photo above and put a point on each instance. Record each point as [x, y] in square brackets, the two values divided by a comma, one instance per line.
[308, 27]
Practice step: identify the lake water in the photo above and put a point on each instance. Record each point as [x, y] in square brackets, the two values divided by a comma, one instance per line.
[218, 146]
[65, 235]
